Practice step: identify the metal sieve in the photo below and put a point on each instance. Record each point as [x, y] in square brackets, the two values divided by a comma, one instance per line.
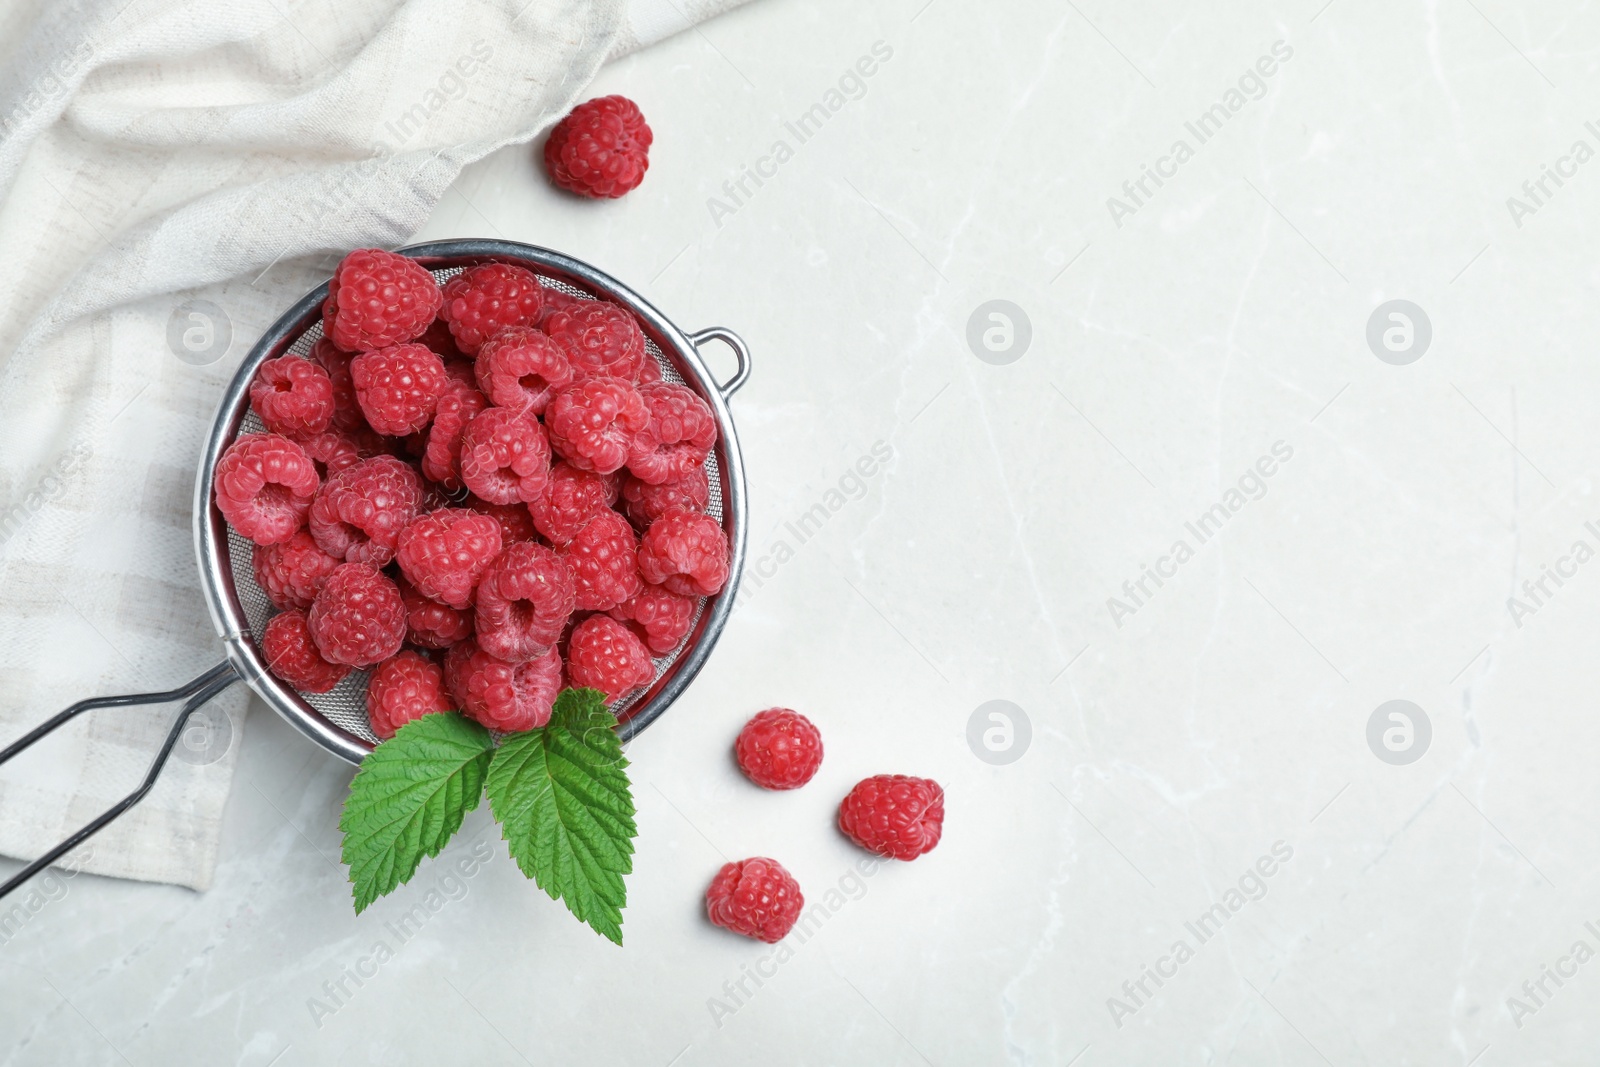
[337, 720]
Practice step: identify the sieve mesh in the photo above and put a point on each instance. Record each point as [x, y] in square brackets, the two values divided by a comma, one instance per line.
[345, 706]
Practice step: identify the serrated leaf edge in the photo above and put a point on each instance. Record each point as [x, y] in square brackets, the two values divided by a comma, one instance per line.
[393, 871]
[527, 758]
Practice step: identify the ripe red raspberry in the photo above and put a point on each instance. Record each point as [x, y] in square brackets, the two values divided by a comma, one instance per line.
[433, 498]
[570, 499]
[358, 618]
[445, 553]
[398, 388]
[500, 695]
[292, 396]
[290, 572]
[660, 618]
[601, 149]
[523, 603]
[599, 340]
[411, 447]
[678, 438]
[555, 300]
[332, 452]
[755, 897]
[430, 624]
[686, 553]
[441, 458]
[347, 415]
[646, 503]
[291, 654]
[604, 560]
[603, 654]
[264, 484]
[520, 368]
[592, 424]
[439, 338]
[894, 815]
[481, 300]
[779, 749]
[515, 522]
[505, 458]
[403, 688]
[358, 515]
[377, 299]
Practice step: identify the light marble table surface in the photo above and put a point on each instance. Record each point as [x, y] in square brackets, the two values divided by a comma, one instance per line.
[1198, 504]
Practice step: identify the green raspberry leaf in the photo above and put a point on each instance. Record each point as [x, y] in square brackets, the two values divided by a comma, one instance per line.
[409, 798]
[561, 794]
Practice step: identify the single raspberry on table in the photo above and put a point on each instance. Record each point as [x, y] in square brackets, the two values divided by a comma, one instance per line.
[570, 499]
[515, 522]
[686, 553]
[523, 603]
[358, 618]
[678, 437]
[398, 387]
[500, 695]
[599, 340]
[755, 897]
[894, 815]
[604, 560]
[347, 417]
[505, 458]
[593, 424]
[404, 687]
[482, 300]
[332, 452]
[446, 552]
[290, 572]
[292, 396]
[601, 149]
[603, 654]
[520, 368]
[358, 515]
[646, 503]
[264, 484]
[660, 618]
[292, 655]
[779, 749]
[441, 458]
[377, 299]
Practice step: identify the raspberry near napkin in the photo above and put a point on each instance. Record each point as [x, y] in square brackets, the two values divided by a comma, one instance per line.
[163, 153]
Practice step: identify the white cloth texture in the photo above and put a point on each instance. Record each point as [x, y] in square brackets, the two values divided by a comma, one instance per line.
[158, 153]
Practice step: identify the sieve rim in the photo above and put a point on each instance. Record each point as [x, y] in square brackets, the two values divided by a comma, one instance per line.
[227, 612]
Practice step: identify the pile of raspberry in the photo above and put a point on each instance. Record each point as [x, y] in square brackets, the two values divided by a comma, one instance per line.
[482, 493]
[893, 816]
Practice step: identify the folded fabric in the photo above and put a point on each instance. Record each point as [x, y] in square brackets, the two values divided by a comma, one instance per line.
[172, 176]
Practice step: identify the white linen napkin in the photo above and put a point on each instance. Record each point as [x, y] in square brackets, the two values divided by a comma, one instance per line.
[160, 161]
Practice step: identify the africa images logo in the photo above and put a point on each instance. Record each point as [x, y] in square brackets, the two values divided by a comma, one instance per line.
[1252, 485]
[1138, 192]
[850, 86]
[1538, 191]
[1251, 887]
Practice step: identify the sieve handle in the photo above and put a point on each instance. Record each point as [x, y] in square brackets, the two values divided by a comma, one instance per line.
[194, 695]
[740, 350]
